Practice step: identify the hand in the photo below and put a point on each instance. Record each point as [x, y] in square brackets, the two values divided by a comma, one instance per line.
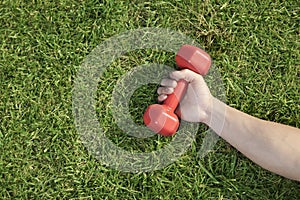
[196, 103]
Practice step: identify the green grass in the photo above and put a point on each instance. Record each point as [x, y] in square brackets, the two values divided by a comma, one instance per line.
[255, 44]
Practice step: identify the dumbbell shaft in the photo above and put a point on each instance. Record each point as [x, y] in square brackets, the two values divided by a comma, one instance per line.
[173, 99]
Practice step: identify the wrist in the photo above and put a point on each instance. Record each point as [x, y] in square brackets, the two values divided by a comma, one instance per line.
[216, 115]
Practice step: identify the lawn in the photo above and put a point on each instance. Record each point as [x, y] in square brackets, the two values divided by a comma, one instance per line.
[254, 44]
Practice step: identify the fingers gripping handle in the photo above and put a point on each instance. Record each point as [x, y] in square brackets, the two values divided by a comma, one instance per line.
[173, 99]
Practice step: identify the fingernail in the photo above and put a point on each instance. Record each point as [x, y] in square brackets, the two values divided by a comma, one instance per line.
[170, 90]
[162, 98]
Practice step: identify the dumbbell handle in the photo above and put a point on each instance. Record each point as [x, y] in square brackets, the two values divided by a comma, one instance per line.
[173, 99]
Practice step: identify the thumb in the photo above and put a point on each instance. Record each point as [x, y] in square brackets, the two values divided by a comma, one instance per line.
[185, 74]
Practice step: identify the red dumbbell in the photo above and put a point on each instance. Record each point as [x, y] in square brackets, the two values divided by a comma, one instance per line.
[161, 118]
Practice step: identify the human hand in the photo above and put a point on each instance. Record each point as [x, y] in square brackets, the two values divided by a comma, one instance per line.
[196, 103]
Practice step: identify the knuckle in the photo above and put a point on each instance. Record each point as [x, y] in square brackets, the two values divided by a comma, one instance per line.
[166, 90]
[185, 71]
[164, 82]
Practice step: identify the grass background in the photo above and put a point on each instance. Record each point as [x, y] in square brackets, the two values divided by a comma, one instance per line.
[43, 43]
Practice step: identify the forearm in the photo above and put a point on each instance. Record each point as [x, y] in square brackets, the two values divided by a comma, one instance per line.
[273, 146]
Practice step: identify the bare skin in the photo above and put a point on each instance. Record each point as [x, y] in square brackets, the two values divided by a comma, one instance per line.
[273, 146]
